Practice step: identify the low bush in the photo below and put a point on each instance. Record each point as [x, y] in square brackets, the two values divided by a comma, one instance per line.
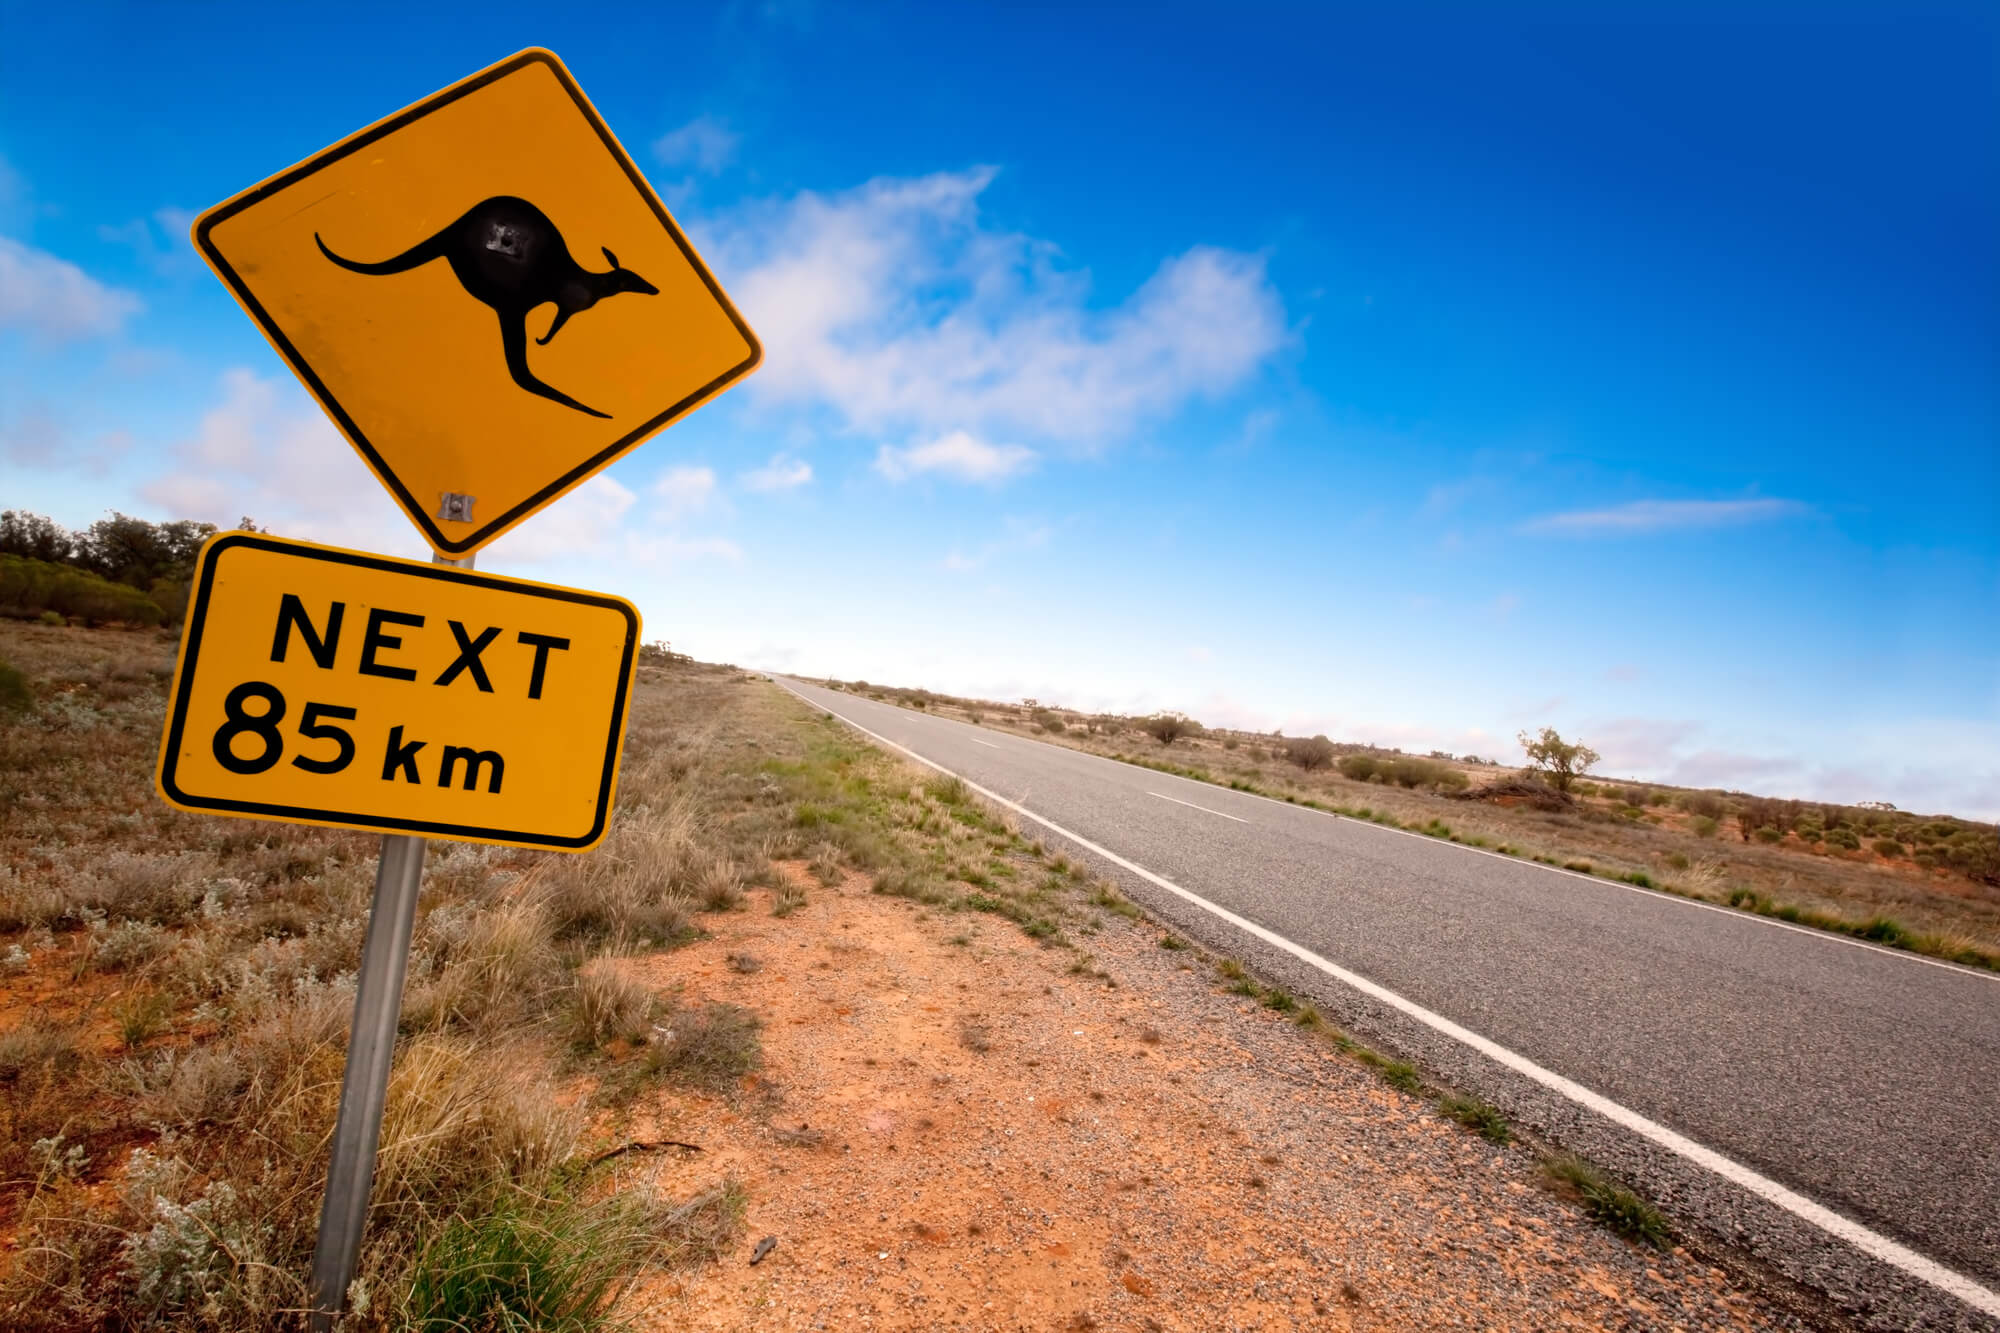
[530, 1263]
[1166, 728]
[1311, 753]
[1401, 770]
[1705, 804]
[29, 588]
[1888, 847]
[15, 695]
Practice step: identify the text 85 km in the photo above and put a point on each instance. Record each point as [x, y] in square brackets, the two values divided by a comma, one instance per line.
[251, 740]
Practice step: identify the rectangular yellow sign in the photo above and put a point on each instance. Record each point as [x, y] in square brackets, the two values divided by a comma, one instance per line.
[334, 687]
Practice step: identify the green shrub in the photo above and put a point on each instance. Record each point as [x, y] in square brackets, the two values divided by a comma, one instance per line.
[1888, 847]
[1608, 1201]
[1481, 1117]
[1704, 826]
[1769, 834]
[29, 588]
[1400, 770]
[15, 696]
[529, 1263]
[1975, 853]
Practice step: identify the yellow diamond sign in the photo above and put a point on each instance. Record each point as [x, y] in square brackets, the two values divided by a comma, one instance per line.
[484, 294]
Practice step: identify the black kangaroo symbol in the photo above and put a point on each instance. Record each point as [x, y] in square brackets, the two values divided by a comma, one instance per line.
[507, 253]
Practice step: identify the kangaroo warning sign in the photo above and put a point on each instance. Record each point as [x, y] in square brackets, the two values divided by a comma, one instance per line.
[332, 687]
[484, 294]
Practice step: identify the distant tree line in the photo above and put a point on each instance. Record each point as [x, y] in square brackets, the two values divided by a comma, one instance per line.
[118, 570]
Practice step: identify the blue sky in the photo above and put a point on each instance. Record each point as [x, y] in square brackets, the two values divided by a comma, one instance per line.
[1412, 380]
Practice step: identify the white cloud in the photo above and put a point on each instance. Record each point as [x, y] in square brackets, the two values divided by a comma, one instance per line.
[899, 308]
[161, 242]
[666, 549]
[685, 490]
[1664, 516]
[583, 523]
[955, 455]
[56, 299]
[267, 451]
[780, 474]
[39, 439]
[704, 143]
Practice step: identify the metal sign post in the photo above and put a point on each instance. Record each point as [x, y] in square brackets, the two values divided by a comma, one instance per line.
[364, 1086]
[378, 1004]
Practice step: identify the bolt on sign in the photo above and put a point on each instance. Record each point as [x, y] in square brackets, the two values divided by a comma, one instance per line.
[332, 687]
[484, 294]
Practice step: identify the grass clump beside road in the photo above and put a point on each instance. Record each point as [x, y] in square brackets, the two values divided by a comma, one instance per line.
[1608, 1201]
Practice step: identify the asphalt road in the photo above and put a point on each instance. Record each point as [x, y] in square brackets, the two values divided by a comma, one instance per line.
[1866, 1080]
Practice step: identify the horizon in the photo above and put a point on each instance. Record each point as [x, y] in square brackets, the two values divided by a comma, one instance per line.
[1413, 383]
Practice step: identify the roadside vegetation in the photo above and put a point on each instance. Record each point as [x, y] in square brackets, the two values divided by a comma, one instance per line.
[118, 571]
[1927, 883]
[175, 991]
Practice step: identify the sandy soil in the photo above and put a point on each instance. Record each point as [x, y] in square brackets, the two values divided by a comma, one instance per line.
[1149, 1154]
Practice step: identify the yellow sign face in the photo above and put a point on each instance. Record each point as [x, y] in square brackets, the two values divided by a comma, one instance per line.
[484, 294]
[333, 687]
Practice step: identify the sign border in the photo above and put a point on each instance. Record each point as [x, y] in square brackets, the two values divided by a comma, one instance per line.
[419, 513]
[190, 653]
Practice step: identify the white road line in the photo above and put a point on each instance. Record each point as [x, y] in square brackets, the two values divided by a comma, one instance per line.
[1192, 806]
[988, 744]
[1865, 1239]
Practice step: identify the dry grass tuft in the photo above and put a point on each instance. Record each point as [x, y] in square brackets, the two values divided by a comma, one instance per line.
[709, 1047]
[610, 1006]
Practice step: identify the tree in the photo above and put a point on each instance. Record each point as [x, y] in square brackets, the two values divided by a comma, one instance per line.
[1309, 754]
[36, 537]
[132, 551]
[1562, 760]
